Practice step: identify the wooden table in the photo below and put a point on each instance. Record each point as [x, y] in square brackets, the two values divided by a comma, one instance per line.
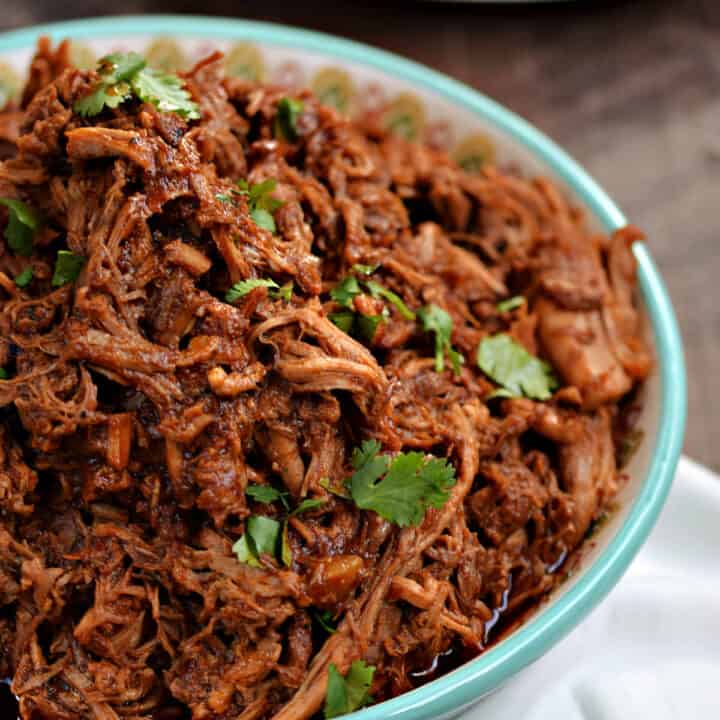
[631, 89]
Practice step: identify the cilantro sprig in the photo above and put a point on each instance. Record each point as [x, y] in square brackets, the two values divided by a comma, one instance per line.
[400, 488]
[512, 367]
[353, 322]
[288, 111]
[23, 223]
[123, 75]
[261, 204]
[347, 694]
[436, 320]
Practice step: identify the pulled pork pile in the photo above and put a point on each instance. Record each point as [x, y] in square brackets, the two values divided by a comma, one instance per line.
[149, 415]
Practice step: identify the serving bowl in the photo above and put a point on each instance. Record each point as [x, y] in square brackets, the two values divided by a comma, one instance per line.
[426, 106]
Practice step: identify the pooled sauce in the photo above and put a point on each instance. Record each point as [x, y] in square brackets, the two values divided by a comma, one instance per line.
[9, 707]
[455, 656]
[497, 613]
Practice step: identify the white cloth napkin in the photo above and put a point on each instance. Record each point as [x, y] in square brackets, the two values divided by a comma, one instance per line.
[651, 650]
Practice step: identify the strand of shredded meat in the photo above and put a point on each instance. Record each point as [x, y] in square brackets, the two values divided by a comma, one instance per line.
[140, 405]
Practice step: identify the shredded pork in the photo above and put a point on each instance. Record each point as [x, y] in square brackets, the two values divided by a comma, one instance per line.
[140, 405]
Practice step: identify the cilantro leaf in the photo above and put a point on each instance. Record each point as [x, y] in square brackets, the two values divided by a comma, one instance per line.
[307, 504]
[326, 621]
[243, 287]
[361, 269]
[67, 268]
[288, 111]
[125, 74]
[411, 484]
[23, 223]
[518, 372]
[378, 291]
[435, 319]
[367, 325]
[244, 552]
[261, 538]
[23, 278]
[266, 494]
[104, 95]
[344, 320]
[263, 219]
[166, 92]
[3, 374]
[118, 66]
[347, 694]
[285, 549]
[511, 303]
[223, 198]
[285, 292]
[346, 291]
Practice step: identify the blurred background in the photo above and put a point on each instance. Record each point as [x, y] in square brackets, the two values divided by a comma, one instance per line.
[630, 88]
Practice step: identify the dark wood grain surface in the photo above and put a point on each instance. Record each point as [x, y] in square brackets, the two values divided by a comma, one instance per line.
[631, 89]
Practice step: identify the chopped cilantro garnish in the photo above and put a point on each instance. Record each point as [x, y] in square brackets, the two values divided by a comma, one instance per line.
[165, 91]
[260, 203]
[410, 483]
[288, 111]
[346, 291]
[326, 621]
[435, 319]
[347, 694]
[3, 374]
[263, 219]
[260, 538]
[355, 323]
[121, 66]
[285, 292]
[23, 223]
[517, 371]
[266, 494]
[511, 303]
[243, 287]
[378, 291]
[367, 325]
[285, 549]
[125, 74]
[223, 198]
[67, 268]
[344, 320]
[361, 269]
[307, 504]
[23, 278]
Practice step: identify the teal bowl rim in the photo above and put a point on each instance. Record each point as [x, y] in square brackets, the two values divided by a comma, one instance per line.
[471, 681]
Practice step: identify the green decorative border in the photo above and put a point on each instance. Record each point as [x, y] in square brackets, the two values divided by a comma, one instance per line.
[448, 695]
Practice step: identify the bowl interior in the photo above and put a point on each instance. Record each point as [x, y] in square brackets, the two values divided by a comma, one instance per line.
[424, 105]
